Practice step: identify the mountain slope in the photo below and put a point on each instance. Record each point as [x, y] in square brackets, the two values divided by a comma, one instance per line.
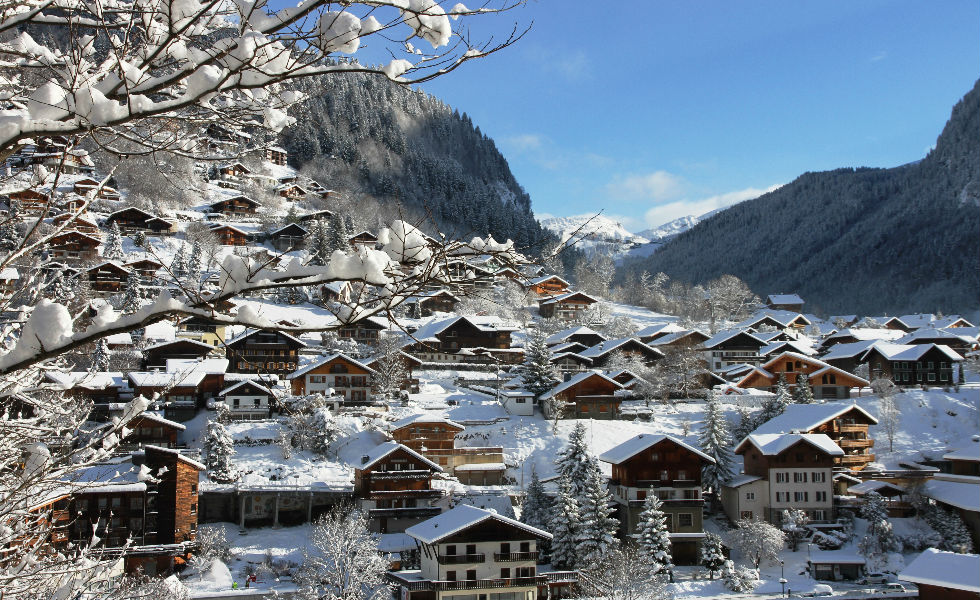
[368, 135]
[863, 240]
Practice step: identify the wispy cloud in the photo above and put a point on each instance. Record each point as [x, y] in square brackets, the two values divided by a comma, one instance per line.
[657, 186]
[666, 212]
[882, 55]
[522, 142]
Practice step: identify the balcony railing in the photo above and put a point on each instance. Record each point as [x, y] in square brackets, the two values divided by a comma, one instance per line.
[460, 559]
[416, 474]
[514, 556]
[561, 576]
[852, 428]
[675, 502]
[379, 513]
[850, 459]
[389, 494]
[846, 443]
[475, 584]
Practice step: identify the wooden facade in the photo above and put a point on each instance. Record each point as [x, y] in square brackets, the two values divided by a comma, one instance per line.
[108, 277]
[394, 486]
[826, 381]
[345, 376]
[230, 236]
[588, 395]
[237, 206]
[74, 247]
[156, 356]
[263, 351]
[566, 307]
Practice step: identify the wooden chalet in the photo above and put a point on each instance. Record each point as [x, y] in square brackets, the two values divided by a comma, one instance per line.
[276, 155]
[73, 247]
[784, 320]
[76, 222]
[583, 335]
[601, 353]
[432, 436]
[364, 239]
[102, 389]
[181, 391]
[940, 575]
[586, 395]
[669, 469]
[679, 339]
[845, 424]
[131, 220]
[732, 347]
[108, 278]
[31, 201]
[263, 351]
[154, 516]
[364, 331]
[292, 191]
[237, 206]
[146, 267]
[425, 305]
[289, 237]
[443, 340]
[347, 377]
[229, 235]
[248, 400]
[393, 484]
[151, 429]
[410, 383]
[87, 185]
[827, 381]
[548, 285]
[567, 307]
[319, 215]
[233, 171]
[790, 302]
[568, 362]
[157, 355]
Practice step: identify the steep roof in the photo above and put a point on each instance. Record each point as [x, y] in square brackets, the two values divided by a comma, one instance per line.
[784, 299]
[723, 336]
[634, 446]
[382, 450]
[771, 444]
[577, 379]
[424, 418]
[250, 332]
[913, 351]
[567, 296]
[807, 417]
[564, 334]
[462, 517]
[318, 363]
[607, 346]
[245, 383]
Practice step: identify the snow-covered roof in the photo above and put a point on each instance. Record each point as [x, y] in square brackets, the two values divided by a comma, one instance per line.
[152, 416]
[848, 350]
[181, 340]
[568, 296]
[463, 516]
[967, 450]
[913, 351]
[931, 333]
[607, 346]
[180, 456]
[251, 332]
[382, 450]
[209, 366]
[873, 485]
[430, 331]
[784, 346]
[839, 557]
[807, 417]
[917, 320]
[867, 333]
[964, 494]
[784, 299]
[9, 274]
[656, 328]
[88, 380]
[564, 334]
[741, 479]
[245, 383]
[724, 336]
[544, 278]
[944, 569]
[322, 361]
[289, 226]
[771, 444]
[784, 317]
[424, 418]
[634, 446]
[577, 379]
[163, 379]
[943, 322]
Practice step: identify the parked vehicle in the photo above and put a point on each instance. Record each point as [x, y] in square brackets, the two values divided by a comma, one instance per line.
[874, 579]
[894, 588]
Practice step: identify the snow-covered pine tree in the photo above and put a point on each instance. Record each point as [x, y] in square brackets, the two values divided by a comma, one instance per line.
[564, 527]
[880, 538]
[803, 393]
[100, 358]
[537, 511]
[390, 371]
[654, 539]
[950, 526]
[597, 533]
[9, 238]
[178, 266]
[538, 372]
[139, 239]
[712, 555]
[717, 443]
[113, 249]
[773, 406]
[744, 426]
[338, 237]
[218, 450]
[574, 462]
[133, 297]
[195, 263]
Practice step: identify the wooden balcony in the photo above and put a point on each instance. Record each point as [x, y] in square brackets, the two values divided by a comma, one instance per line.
[846, 443]
[514, 556]
[852, 428]
[403, 513]
[460, 559]
[857, 459]
[468, 584]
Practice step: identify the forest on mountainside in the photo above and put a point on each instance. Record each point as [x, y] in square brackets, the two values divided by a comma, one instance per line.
[373, 137]
[865, 240]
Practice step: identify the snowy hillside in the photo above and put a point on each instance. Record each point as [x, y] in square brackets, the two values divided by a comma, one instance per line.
[662, 233]
[595, 232]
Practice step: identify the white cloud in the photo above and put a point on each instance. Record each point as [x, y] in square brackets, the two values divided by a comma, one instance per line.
[664, 213]
[882, 55]
[657, 187]
[522, 142]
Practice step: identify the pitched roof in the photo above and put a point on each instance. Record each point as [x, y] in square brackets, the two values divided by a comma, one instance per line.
[319, 363]
[944, 569]
[564, 334]
[783, 317]
[771, 444]
[964, 494]
[563, 297]
[723, 336]
[784, 299]
[634, 446]
[197, 343]
[913, 351]
[162, 379]
[382, 450]
[607, 346]
[577, 379]
[251, 332]
[807, 417]
[544, 278]
[424, 418]
[463, 516]
[867, 333]
[248, 383]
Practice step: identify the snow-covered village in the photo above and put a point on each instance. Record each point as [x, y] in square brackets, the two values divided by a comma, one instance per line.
[279, 322]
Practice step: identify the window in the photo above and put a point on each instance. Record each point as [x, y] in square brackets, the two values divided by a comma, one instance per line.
[194, 509]
[505, 573]
[505, 548]
[471, 548]
[450, 575]
[525, 546]
[750, 495]
[664, 475]
[136, 503]
[819, 477]
[747, 514]
[685, 520]
[654, 456]
[799, 477]
[116, 502]
[682, 474]
[780, 477]
[821, 496]
[451, 550]
[819, 515]
[471, 574]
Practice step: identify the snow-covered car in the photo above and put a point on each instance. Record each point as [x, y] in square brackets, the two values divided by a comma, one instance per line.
[819, 591]
[874, 578]
[894, 588]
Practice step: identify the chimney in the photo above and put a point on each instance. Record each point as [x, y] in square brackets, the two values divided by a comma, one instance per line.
[364, 458]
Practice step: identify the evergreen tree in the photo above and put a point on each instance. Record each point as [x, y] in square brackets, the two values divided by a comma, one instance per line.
[803, 393]
[773, 406]
[537, 510]
[538, 372]
[338, 236]
[195, 263]
[654, 539]
[712, 555]
[218, 450]
[113, 249]
[783, 396]
[574, 462]
[949, 525]
[100, 358]
[597, 533]
[133, 298]
[794, 526]
[880, 538]
[140, 239]
[716, 443]
[9, 238]
[179, 264]
[565, 525]
[745, 425]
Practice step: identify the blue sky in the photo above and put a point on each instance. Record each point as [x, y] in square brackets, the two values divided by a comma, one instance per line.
[654, 110]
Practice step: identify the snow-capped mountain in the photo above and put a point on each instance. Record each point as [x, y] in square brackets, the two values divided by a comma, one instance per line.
[668, 230]
[594, 227]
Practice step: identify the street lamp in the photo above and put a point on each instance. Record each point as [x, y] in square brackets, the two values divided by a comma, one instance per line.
[782, 576]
